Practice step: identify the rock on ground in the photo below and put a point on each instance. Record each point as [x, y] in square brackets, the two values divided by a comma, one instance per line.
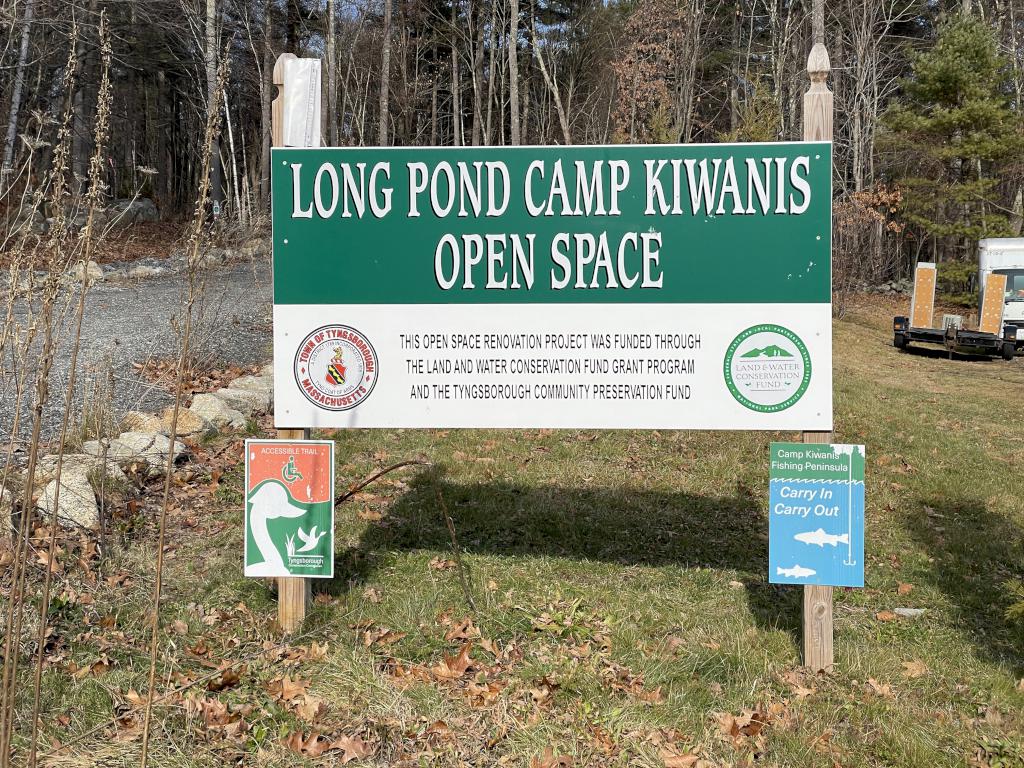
[216, 411]
[137, 421]
[131, 210]
[262, 385]
[6, 511]
[93, 274]
[151, 447]
[76, 505]
[80, 463]
[244, 401]
[190, 423]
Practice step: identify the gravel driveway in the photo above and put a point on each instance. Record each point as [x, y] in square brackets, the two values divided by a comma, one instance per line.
[132, 322]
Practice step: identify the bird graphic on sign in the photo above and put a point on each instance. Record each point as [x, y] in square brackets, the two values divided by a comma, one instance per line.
[310, 540]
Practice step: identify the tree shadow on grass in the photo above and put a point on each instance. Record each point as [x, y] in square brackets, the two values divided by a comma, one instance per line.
[976, 551]
[628, 527]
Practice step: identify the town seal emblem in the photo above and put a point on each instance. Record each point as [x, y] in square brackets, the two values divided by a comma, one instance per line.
[336, 367]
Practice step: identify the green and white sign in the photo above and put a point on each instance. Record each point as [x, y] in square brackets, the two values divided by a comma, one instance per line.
[623, 286]
[289, 508]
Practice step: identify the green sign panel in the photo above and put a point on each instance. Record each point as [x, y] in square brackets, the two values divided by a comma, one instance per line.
[289, 508]
[746, 223]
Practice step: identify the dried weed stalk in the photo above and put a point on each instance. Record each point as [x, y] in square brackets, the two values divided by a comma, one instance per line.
[27, 253]
[97, 190]
[213, 127]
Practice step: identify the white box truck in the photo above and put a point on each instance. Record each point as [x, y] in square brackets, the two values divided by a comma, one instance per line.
[1005, 256]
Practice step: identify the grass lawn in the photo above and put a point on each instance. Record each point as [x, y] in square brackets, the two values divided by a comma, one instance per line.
[622, 611]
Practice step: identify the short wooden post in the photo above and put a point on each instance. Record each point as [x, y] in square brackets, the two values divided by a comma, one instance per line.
[293, 593]
[818, 112]
[817, 617]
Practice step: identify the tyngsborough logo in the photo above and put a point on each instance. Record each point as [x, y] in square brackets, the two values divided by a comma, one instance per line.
[767, 368]
[336, 367]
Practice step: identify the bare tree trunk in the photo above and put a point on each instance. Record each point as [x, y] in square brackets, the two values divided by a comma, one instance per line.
[19, 80]
[385, 77]
[266, 97]
[216, 168]
[332, 76]
[433, 111]
[456, 83]
[478, 74]
[492, 45]
[81, 131]
[563, 118]
[734, 84]
[513, 71]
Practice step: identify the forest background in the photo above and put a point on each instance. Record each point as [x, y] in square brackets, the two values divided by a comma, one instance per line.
[928, 97]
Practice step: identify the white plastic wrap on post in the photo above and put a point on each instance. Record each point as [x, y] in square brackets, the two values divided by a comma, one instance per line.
[301, 103]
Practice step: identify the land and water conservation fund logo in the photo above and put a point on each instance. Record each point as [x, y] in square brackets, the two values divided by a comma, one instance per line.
[336, 367]
[767, 368]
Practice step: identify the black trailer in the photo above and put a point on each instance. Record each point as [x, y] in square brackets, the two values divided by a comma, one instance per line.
[955, 339]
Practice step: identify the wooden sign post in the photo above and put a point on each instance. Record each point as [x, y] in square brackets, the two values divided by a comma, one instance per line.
[293, 593]
[818, 113]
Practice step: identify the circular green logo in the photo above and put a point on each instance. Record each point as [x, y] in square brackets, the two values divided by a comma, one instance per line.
[767, 368]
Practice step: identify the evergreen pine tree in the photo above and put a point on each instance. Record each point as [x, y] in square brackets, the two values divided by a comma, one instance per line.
[949, 137]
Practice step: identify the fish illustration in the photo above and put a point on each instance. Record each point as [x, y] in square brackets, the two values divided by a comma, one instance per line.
[796, 572]
[310, 540]
[821, 538]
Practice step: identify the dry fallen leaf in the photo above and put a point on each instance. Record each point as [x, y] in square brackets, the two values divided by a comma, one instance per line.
[882, 689]
[317, 651]
[674, 759]
[179, 627]
[652, 697]
[915, 668]
[353, 747]
[453, 667]
[441, 564]
[904, 589]
[311, 746]
[372, 594]
[795, 680]
[228, 679]
[309, 707]
[550, 760]
[463, 630]
[286, 689]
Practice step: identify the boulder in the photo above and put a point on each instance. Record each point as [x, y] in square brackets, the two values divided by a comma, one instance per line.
[138, 421]
[254, 248]
[132, 210]
[6, 511]
[76, 505]
[212, 258]
[216, 411]
[190, 423]
[260, 384]
[150, 447]
[143, 271]
[79, 463]
[93, 274]
[244, 401]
